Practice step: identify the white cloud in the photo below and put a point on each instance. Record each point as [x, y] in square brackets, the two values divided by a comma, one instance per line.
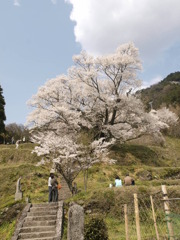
[54, 1]
[151, 82]
[16, 3]
[101, 25]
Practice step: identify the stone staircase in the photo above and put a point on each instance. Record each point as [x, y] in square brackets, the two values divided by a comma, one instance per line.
[42, 222]
[64, 192]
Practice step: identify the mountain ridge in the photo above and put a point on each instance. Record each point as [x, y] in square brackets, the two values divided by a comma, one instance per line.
[165, 93]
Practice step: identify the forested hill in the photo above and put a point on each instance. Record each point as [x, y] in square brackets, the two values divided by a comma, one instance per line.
[165, 93]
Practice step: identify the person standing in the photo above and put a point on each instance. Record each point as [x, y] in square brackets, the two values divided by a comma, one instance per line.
[54, 184]
[50, 187]
[118, 182]
[128, 180]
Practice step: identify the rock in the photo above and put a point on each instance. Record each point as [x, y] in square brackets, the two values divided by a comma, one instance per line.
[19, 193]
[75, 223]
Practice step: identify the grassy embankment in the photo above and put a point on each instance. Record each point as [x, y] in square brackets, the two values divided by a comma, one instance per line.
[13, 164]
[150, 166]
[161, 163]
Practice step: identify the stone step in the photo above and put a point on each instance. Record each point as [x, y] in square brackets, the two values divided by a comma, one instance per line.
[36, 229]
[42, 213]
[30, 223]
[36, 235]
[52, 204]
[41, 209]
[41, 238]
[41, 218]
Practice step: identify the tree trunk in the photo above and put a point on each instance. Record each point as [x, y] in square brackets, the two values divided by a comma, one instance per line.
[85, 179]
[68, 179]
[113, 117]
[106, 117]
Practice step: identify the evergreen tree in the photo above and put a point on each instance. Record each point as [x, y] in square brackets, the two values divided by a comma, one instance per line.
[2, 112]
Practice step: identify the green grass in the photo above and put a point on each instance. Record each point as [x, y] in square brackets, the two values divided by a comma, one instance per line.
[13, 164]
[115, 228]
[138, 153]
[10, 155]
[6, 230]
[33, 183]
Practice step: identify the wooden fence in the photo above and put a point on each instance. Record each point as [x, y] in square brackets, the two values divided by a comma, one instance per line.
[152, 219]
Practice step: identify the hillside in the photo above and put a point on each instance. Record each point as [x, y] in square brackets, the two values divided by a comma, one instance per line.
[150, 166]
[13, 164]
[164, 93]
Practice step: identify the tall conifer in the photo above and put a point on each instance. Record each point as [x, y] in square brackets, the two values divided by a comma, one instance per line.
[2, 111]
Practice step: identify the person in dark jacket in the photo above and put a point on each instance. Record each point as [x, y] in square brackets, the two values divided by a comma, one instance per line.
[54, 184]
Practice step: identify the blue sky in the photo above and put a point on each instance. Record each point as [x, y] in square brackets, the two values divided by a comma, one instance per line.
[39, 37]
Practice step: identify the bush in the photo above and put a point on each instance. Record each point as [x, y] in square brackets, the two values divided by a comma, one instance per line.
[96, 229]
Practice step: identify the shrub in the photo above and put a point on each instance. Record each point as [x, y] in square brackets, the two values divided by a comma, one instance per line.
[96, 229]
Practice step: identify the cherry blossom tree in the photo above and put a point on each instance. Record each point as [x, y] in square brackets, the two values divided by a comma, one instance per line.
[68, 156]
[97, 95]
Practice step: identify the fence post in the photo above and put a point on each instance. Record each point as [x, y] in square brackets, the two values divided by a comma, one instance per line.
[154, 218]
[126, 221]
[137, 217]
[167, 212]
